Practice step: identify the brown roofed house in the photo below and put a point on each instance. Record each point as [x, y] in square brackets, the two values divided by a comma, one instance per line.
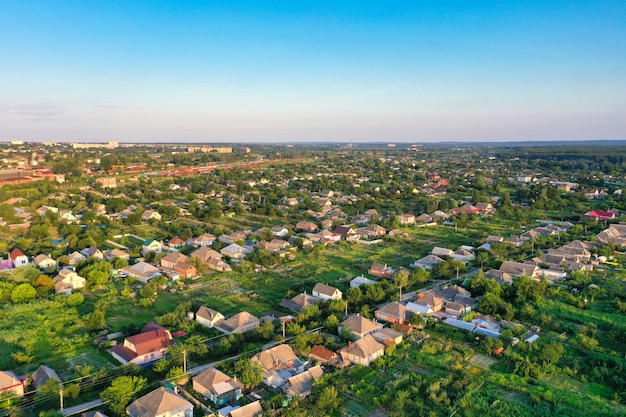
[239, 323]
[324, 356]
[301, 385]
[520, 269]
[208, 317]
[394, 313]
[363, 351]
[381, 270]
[253, 409]
[162, 402]
[217, 387]
[300, 301]
[359, 326]
[279, 363]
[326, 292]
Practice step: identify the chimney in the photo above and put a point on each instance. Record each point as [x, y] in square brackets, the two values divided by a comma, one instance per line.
[349, 345]
[176, 389]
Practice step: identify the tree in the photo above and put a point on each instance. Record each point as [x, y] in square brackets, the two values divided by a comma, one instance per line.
[23, 293]
[119, 263]
[39, 231]
[353, 295]
[44, 281]
[75, 299]
[122, 391]
[162, 365]
[328, 399]
[375, 293]
[17, 412]
[337, 306]
[417, 321]
[51, 413]
[95, 320]
[331, 323]
[482, 257]
[25, 274]
[420, 276]
[266, 330]
[295, 329]
[175, 375]
[401, 279]
[250, 372]
[50, 388]
[528, 290]
[492, 304]
[551, 352]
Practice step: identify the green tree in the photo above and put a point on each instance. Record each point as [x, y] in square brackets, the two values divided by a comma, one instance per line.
[122, 391]
[23, 293]
[551, 352]
[75, 299]
[25, 274]
[266, 330]
[482, 257]
[353, 296]
[17, 412]
[337, 306]
[250, 372]
[49, 389]
[39, 231]
[295, 329]
[331, 323]
[162, 365]
[51, 413]
[175, 374]
[420, 276]
[417, 320]
[375, 293]
[401, 279]
[328, 399]
[95, 320]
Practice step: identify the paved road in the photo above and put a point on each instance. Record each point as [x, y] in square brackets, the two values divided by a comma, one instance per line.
[82, 407]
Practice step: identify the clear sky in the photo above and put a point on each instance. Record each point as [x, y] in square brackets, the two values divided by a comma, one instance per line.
[299, 70]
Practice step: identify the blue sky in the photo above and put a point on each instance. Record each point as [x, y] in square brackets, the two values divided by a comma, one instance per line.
[249, 71]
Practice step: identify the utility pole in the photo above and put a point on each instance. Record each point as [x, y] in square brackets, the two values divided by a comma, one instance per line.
[283, 325]
[185, 361]
[61, 397]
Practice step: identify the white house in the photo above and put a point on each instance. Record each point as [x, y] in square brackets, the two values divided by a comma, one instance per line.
[326, 292]
[67, 281]
[208, 317]
[18, 257]
[151, 245]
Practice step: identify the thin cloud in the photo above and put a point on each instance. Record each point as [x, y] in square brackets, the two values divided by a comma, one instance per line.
[34, 110]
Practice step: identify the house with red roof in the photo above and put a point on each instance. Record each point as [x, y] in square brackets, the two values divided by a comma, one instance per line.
[18, 258]
[598, 215]
[176, 242]
[467, 209]
[146, 347]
